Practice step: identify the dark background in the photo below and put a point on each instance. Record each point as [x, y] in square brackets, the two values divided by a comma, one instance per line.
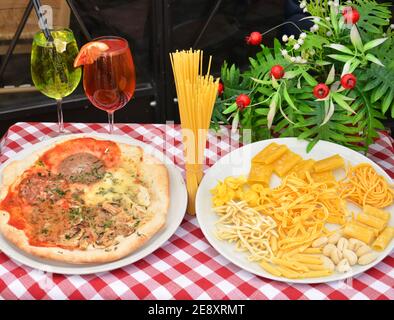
[153, 29]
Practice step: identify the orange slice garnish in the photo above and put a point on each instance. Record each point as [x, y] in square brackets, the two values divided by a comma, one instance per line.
[89, 53]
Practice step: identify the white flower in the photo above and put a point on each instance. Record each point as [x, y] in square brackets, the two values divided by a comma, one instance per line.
[314, 28]
[304, 61]
[296, 46]
[291, 37]
[302, 4]
[285, 38]
[300, 42]
[312, 52]
[329, 3]
[328, 18]
[284, 52]
[336, 3]
[292, 59]
[392, 26]
[329, 33]
[298, 59]
[303, 35]
[305, 10]
[316, 19]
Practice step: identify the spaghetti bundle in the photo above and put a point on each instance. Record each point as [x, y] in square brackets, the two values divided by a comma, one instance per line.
[196, 96]
[364, 186]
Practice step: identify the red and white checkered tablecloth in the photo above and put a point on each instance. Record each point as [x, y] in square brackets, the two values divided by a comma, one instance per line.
[186, 266]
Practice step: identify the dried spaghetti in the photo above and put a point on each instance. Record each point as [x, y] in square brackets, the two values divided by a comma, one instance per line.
[196, 97]
[364, 186]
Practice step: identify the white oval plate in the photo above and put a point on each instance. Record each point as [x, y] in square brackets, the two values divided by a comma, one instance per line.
[237, 163]
[176, 212]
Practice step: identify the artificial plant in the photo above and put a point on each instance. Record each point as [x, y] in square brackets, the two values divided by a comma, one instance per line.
[333, 82]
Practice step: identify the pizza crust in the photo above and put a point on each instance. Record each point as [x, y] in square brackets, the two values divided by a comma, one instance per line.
[155, 176]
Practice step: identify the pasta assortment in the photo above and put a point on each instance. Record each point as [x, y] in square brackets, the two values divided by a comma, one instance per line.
[196, 97]
[284, 228]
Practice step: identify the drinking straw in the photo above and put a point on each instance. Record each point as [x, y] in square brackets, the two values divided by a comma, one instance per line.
[44, 25]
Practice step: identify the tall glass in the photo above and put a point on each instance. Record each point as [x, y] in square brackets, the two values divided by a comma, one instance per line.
[52, 67]
[109, 81]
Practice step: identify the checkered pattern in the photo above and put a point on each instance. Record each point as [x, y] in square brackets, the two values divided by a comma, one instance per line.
[186, 266]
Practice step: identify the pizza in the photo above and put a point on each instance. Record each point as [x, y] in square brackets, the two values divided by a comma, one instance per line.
[83, 200]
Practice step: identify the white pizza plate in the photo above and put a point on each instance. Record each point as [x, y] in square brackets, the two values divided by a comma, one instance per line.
[237, 163]
[176, 212]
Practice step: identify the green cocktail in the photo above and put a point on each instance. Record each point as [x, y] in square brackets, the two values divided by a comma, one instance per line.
[52, 67]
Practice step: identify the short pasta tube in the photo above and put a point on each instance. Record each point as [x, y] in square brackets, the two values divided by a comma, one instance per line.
[378, 213]
[371, 221]
[383, 240]
[354, 230]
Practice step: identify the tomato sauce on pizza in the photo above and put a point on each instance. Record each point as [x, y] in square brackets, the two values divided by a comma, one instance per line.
[46, 202]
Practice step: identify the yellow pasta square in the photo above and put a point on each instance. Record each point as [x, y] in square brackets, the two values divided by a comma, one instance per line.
[302, 167]
[270, 153]
[324, 176]
[260, 173]
[329, 164]
[286, 162]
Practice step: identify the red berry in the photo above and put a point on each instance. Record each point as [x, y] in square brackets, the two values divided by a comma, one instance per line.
[348, 81]
[242, 101]
[321, 91]
[277, 71]
[220, 88]
[254, 38]
[351, 15]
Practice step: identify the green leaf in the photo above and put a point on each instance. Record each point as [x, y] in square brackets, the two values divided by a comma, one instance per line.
[261, 111]
[373, 59]
[372, 84]
[377, 94]
[272, 110]
[329, 111]
[355, 38]
[340, 47]
[313, 41]
[322, 62]
[288, 98]
[292, 74]
[274, 82]
[311, 81]
[340, 57]
[388, 100]
[312, 144]
[231, 108]
[331, 75]
[265, 82]
[334, 20]
[234, 124]
[374, 43]
[341, 102]
[346, 67]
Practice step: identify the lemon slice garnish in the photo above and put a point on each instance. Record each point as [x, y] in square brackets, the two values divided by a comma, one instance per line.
[60, 45]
